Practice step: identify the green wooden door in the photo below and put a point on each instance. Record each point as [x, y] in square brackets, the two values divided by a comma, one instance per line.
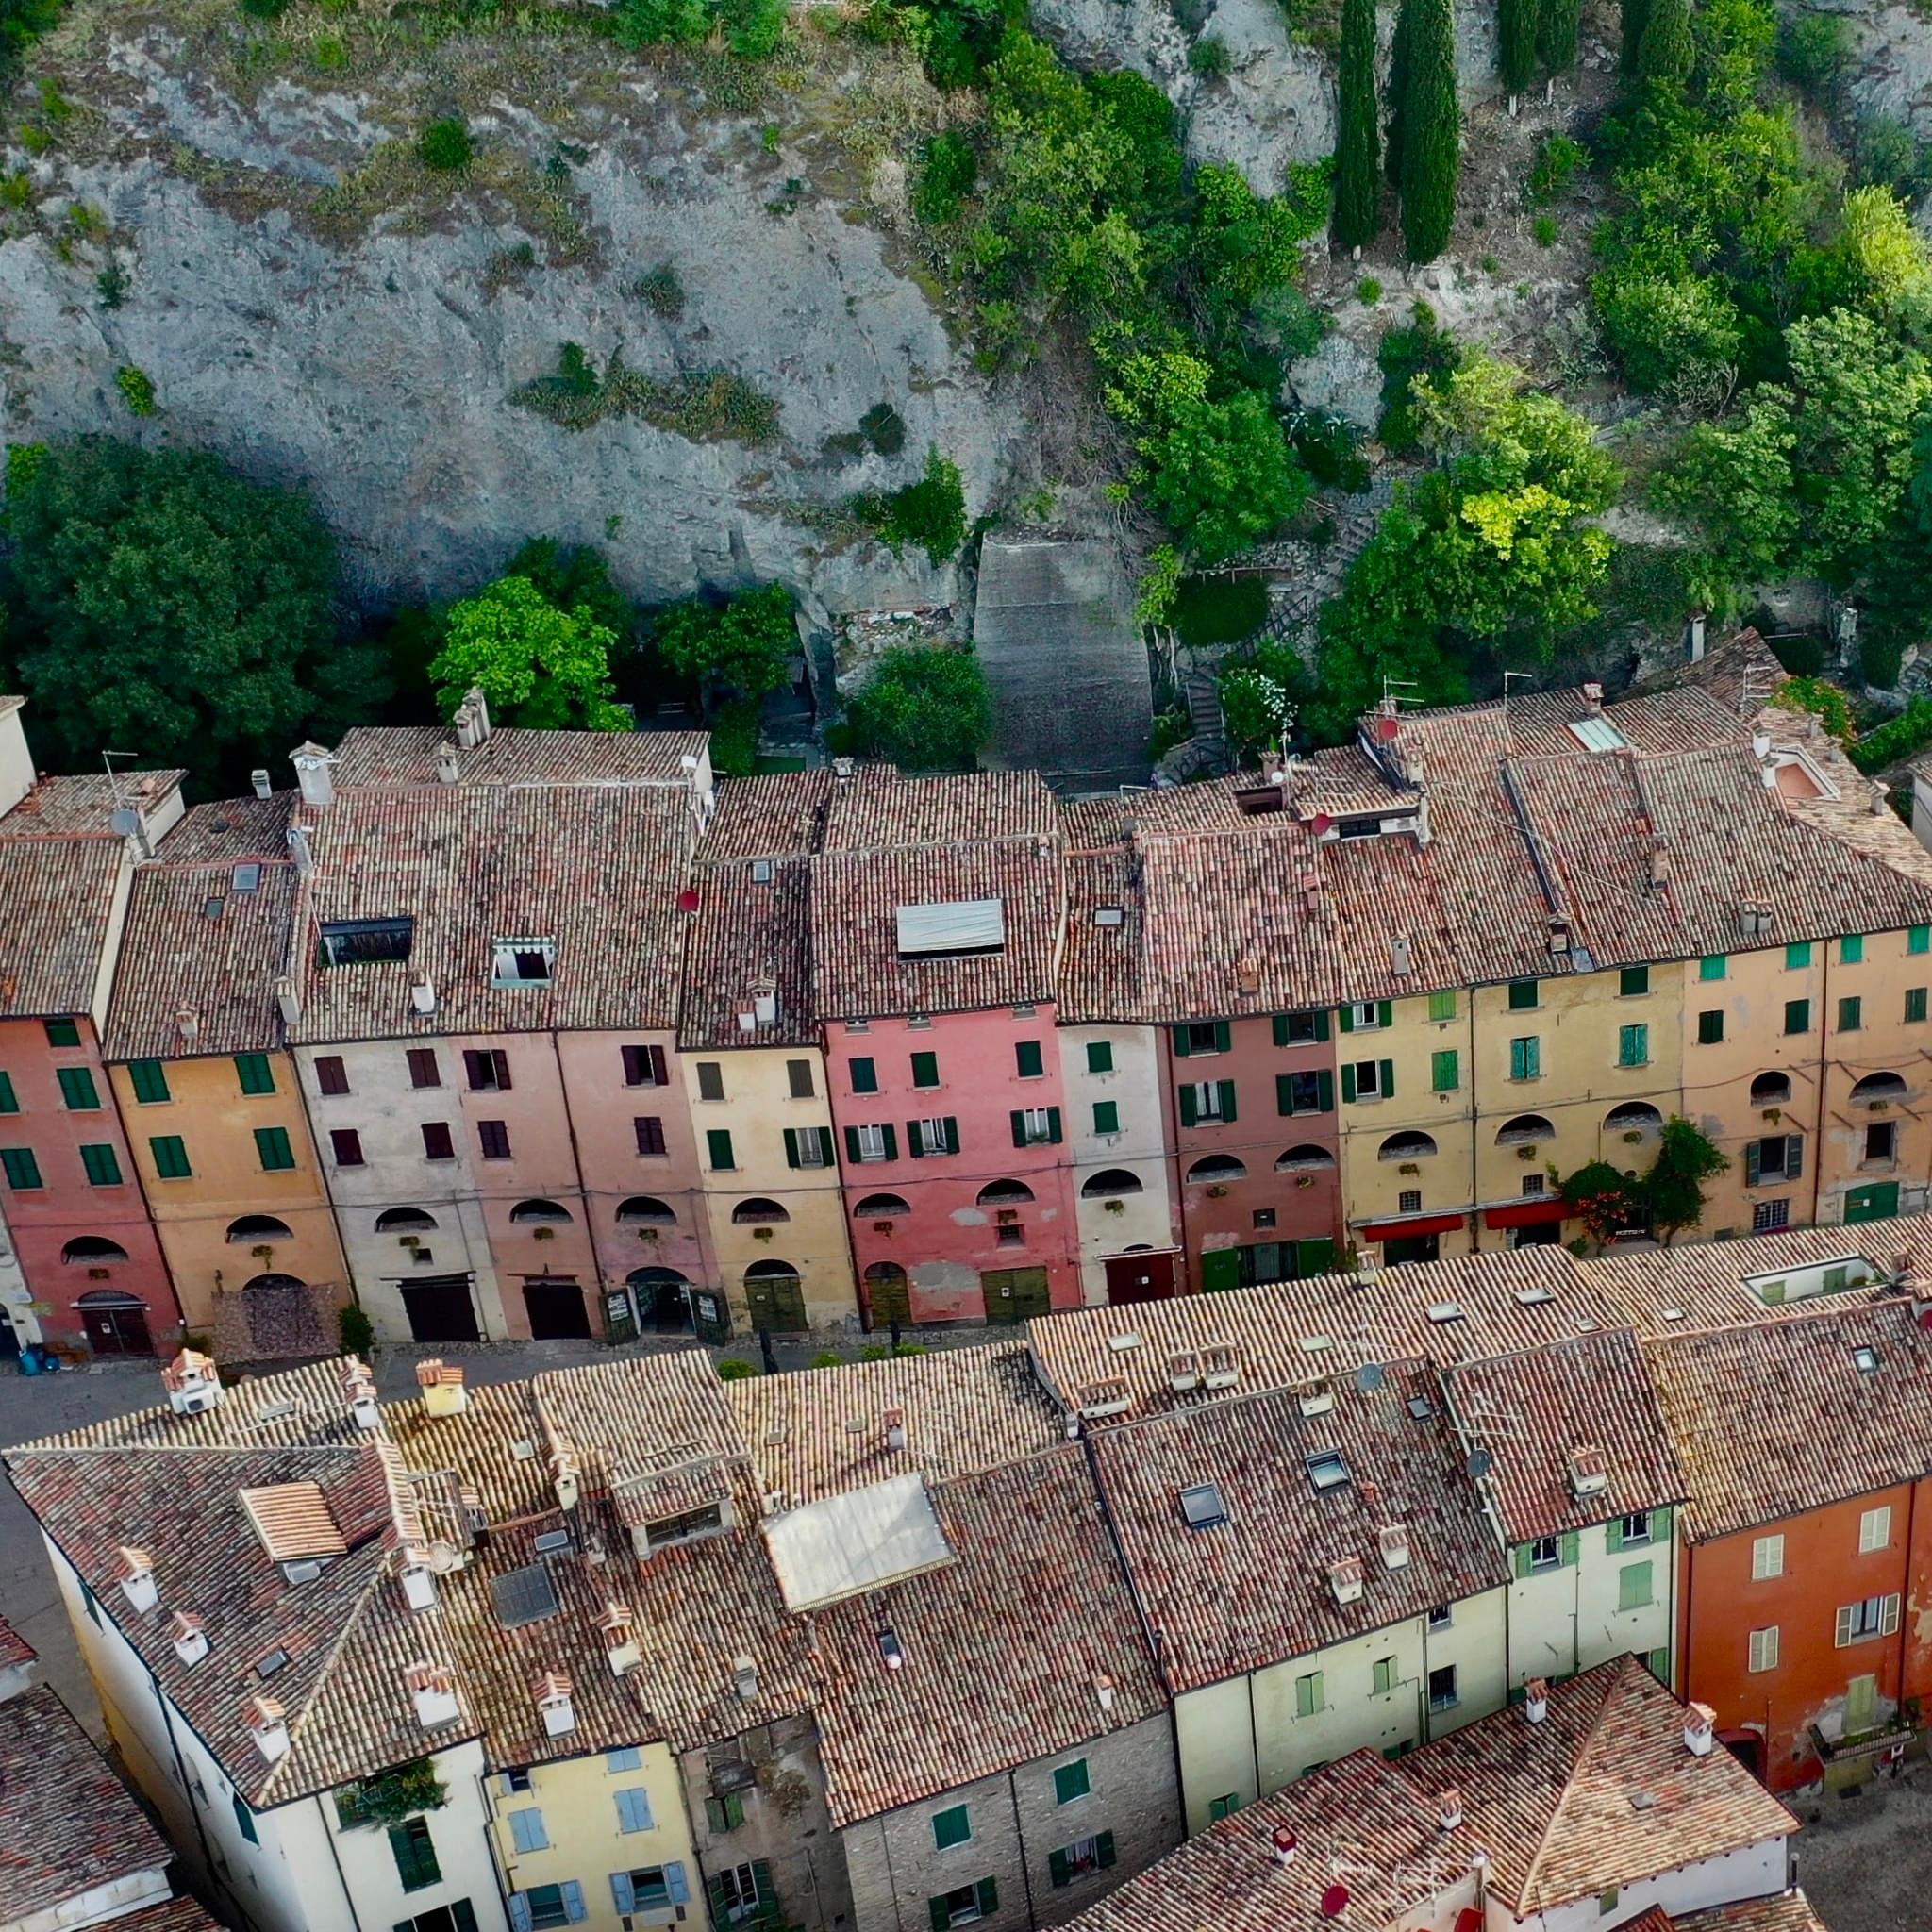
[1220, 1268]
[1861, 1704]
[1878, 1202]
[1015, 1294]
[776, 1302]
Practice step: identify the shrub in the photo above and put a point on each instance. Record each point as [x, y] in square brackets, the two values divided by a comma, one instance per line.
[948, 169]
[1881, 652]
[731, 1369]
[1813, 52]
[1558, 160]
[659, 291]
[357, 1331]
[884, 428]
[734, 738]
[1421, 351]
[930, 514]
[445, 145]
[1368, 291]
[110, 285]
[265, 9]
[1671, 336]
[137, 389]
[1897, 738]
[1890, 155]
[1208, 57]
[1824, 701]
[709, 406]
[1219, 610]
[924, 710]
[1262, 698]
[1543, 229]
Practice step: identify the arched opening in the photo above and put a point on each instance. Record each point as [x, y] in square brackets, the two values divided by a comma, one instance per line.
[1412, 1145]
[1109, 1184]
[539, 1213]
[1303, 1160]
[1875, 1088]
[93, 1249]
[645, 1211]
[258, 1229]
[405, 1221]
[1523, 1129]
[116, 1322]
[774, 1294]
[888, 1295]
[1633, 1117]
[1004, 1194]
[661, 1299]
[1771, 1089]
[758, 1213]
[275, 1284]
[1218, 1167]
[882, 1208]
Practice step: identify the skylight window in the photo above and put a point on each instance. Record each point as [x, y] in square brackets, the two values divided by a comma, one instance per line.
[523, 962]
[1866, 1360]
[1109, 915]
[365, 941]
[547, 1543]
[278, 1659]
[523, 1597]
[1327, 1469]
[1598, 734]
[247, 878]
[1203, 1507]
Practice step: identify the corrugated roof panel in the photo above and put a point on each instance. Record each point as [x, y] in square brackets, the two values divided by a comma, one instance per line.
[960, 925]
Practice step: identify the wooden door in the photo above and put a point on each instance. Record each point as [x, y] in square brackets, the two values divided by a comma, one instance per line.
[1015, 1294]
[1139, 1278]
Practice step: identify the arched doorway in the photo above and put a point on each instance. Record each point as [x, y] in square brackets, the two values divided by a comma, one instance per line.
[116, 1322]
[775, 1296]
[888, 1295]
[660, 1300]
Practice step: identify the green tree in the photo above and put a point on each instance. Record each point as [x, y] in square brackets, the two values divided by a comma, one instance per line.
[1673, 1190]
[1678, 336]
[1260, 698]
[1665, 51]
[1731, 482]
[1516, 34]
[924, 710]
[1431, 144]
[930, 513]
[745, 644]
[536, 665]
[1604, 1198]
[1357, 144]
[573, 577]
[158, 603]
[1557, 29]
[1633, 16]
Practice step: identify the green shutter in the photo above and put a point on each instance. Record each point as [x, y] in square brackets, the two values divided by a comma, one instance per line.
[1313, 1258]
[1384, 1012]
[1224, 1036]
[1181, 1047]
[1797, 1016]
[1387, 1079]
[1053, 1125]
[254, 1072]
[1915, 1003]
[718, 1147]
[1613, 1535]
[791, 1146]
[273, 1150]
[1059, 1868]
[1106, 1117]
[150, 1081]
[1281, 1029]
[1100, 1057]
[951, 1125]
[1445, 1072]
[1797, 954]
[9, 1103]
[1526, 1557]
[1227, 1105]
[865, 1076]
[989, 1897]
[1347, 1017]
[1018, 1120]
[1348, 1081]
[1570, 1544]
[1027, 1057]
[1283, 1094]
[63, 1032]
[1851, 1014]
[1322, 1024]
[925, 1070]
[1713, 966]
[1324, 1092]
[1633, 981]
[171, 1157]
[1851, 949]
[891, 1134]
[852, 1145]
[1103, 1846]
[915, 1142]
[103, 1166]
[1190, 1111]
[942, 1919]
[22, 1171]
[1442, 1005]
[77, 1090]
[1919, 940]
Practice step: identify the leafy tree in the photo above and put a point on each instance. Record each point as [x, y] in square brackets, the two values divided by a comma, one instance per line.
[537, 666]
[1431, 145]
[1633, 17]
[1822, 699]
[160, 605]
[573, 577]
[1604, 1198]
[1676, 336]
[1357, 144]
[1673, 1190]
[1260, 698]
[746, 643]
[1731, 481]
[1516, 32]
[924, 710]
[930, 513]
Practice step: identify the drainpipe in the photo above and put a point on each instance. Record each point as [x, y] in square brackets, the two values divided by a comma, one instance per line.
[1824, 1076]
[335, 1859]
[1905, 1621]
[1020, 1836]
[1475, 1218]
[1171, 1115]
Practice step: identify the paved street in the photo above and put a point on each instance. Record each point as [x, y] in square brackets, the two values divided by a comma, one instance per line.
[1867, 1861]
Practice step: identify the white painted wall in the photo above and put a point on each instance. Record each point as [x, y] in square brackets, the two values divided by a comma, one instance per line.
[1146, 1219]
[1755, 1871]
[1565, 1620]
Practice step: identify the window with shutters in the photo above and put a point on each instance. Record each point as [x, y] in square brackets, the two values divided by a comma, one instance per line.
[724, 1812]
[1526, 1058]
[1029, 1059]
[1208, 1102]
[865, 1076]
[1915, 1004]
[644, 1066]
[460, 1915]
[1523, 995]
[21, 1170]
[1713, 967]
[547, 1907]
[718, 1151]
[1775, 1159]
[626, 1758]
[633, 1808]
[254, 1072]
[1763, 1649]
[1304, 1092]
[1633, 982]
[1546, 1552]
[1851, 1014]
[925, 1070]
[1919, 940]
[939, 1134]
[649, 1129]
[1382, 1676]
[1797, 1016]
[1633, 1046]
[1364, 1016]
[415, 1855]
[1871, 1616]
[1223, 1807]
[1084, 1854]
[492, 1139]
[1363, 1080]
[244, 1819]
[424, 1069]
[345, 1145]
[1099, 1056]
[1308, 1701]
[1446, 1072]
[1071, 1781]
[1039, 1127]
[526, 1831]
[1634, 1530]
[62, 1032]
[1797, 956]
[1202, 1036]
[710, 1080]
[439, 1143]
[9, 1101]
[807, 1146]
[487, 1071]
[1874, 1529]
[965, 1905]
[798, 1080]
[102, 1164]
[171, 1157]
[1444, 1694]
[77, 1091]
[1299, 1029]
[1851, 949]
[331, 1074]
[1767, 1558]
[651, 1888]
[1106, 1117]
[273, 1150]
[1710, 1028]
[872, 1143]
[952, 1826]
[1442, 1005]
[1633, 1587]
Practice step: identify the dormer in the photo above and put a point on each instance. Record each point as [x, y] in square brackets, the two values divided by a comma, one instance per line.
[1099, 1400]
[1221, 1366]
[443, 1393]
[134, 1571]
[1589, 1472]
[1345, 1580]
[193, 1385]
[553, 1699]
[433, 1691]
[516, 962]
[268, 1725]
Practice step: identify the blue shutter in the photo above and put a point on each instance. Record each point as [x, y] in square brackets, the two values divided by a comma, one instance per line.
[634, 1809]
[621, 1891]
[572, 1900]
[527, 1829]
[673, 1878]
[519, 1912]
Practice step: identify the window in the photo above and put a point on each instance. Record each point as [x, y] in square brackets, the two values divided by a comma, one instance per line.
[549, 1906]
[1713, 967]
[1633, 1530]
[798, 1080]
[1410, 1201]
[1797, 1016]
[1106, 1117]
[1446, 1072]
[21, 1170]
[103, 1165]
[1767, 1217]
[1084, 1854]
[1201, 1036]
[1225, 1806]
[1851, 1014]
[244, 1819]
[1368, 1080]
[1206, 1103]
[1442, 1693]
[1851, 949]
[807, 1146]
[937, 1134]
[725, 1812]
[965, 1905]
[1775, 1157]
[273, 1150]
[1874, 1529]
[1099, 1056]
[1040, 1127]
[77, 1091]
[423, 1070]
[1762, 1650]
[1915, 1004]
[1797, 956]
[9, 1101]
[651, 1888]
[1710, 1028]
[486, 1071]
[925, 1070]
[1070, 1781]
[1525, 1057]
[718, 1153]
[1633, 982]
[1308, 1700]
[1536, 1183]
[1441, 1617]
[1442, 1005]
[1633, 1046]
[1633, 1587]
[1919, 940]
[437, 1142]
[346, 1143]
[1767, 1558]
[492, 1139]
[526, 1831]
[1382, 1676]
[644, 1066]
[415, 1855]
[254, 1072]
[1304, 1092]
[523, 962]
[1029, 1059]
[364, 942]
[1300, 1029]
[952, 1826]
[865, 1076]
[649, 1130]
[1881, 1141]
[331, 1076]
[633, 1808]
[1871, 1616]
[171, 1157]
[63, 1032]
[1545, 1552]
[1523, 995]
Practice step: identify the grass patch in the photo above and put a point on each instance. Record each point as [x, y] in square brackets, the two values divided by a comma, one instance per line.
[710, 407]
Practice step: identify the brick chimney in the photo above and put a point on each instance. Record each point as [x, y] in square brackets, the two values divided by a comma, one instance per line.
[189, 1636]
[1448, 1809]
[552, 1693]
[192, 1382]
[135, 1571]
[268, 1725]
[895, 1429]
[620, 1631]
[1700, 1729]
[433, 1693]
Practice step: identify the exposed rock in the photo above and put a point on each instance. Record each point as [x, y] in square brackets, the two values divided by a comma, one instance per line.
[1340, 378]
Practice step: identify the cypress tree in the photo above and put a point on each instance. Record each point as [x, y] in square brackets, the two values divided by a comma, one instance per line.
[1665, 51]
[1516, 26]
[1358, 156]
[1431, 129]
[1398, 87]
[1634, 15]
[1556, 35]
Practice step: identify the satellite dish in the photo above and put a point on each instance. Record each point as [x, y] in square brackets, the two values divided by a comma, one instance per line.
[1334, 1902]
[688, 900]
[1369, 1378]
[1321, 825]
[1479, 1464]
[124, 822]
[1388, 730]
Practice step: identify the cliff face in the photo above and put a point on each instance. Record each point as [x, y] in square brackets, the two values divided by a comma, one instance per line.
[256, 233]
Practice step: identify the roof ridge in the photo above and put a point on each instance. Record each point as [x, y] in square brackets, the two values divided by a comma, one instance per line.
[1585, 1744]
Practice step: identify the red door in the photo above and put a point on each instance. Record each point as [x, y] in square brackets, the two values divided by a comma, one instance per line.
[1140, 1278]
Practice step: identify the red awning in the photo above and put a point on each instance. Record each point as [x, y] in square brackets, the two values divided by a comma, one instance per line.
[1416, 1224]
[1526, 1213]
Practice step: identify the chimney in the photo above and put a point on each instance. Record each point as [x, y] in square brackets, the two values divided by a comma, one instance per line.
[1345, 1580]
[842, 769]
[300, 850]
[192, 1382]
[472, 721]
[188, 1024]
[552, 1692]
[136, 1572]
[443, 1388]
[1104, 1693]
[1700, 1729]
[359, 1392]
[566, 1473]
[287, 1004]
[620, 1630]
[448, 769]
[189, 1636]
[1592, 700]
[1448, 1809]
[263, 783]
[1285, 1844]
[312, 775]
[1392, 1540]
[1311, 893]
[1760, 744]
[1589, 1472]
[895, 1429]
[1557, 928]
[744, 1679]
[419, 1580]
[268, 1725]
[1659, 866]
[434, 1693]
[1400, 956]
[422, 996]
[1536, 1700]
[1695, 643]
[764, 1005]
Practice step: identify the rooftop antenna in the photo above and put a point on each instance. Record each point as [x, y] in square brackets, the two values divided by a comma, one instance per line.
[1391, 685]
[1748, 698]
[108, 759]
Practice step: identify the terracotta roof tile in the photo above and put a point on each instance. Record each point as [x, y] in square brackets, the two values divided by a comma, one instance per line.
[773, 815]
[750, 936]
[1100, 965]
[1789, 1911]
[879, 809]
[83, 805]
[393, 756]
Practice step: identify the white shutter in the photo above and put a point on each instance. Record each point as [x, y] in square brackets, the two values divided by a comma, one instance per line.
[1889, 1616]
[1764, 1649]
[1767, 1558]
[1846, 1622]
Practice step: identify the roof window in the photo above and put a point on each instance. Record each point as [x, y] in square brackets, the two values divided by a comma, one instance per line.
[1865, 1360]
[1203, 1507]
[1109, 915]
[247, 878]
[365, 941]
[523, 962]
[1327, 1469]
[523, 1597]
[1598, 734]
